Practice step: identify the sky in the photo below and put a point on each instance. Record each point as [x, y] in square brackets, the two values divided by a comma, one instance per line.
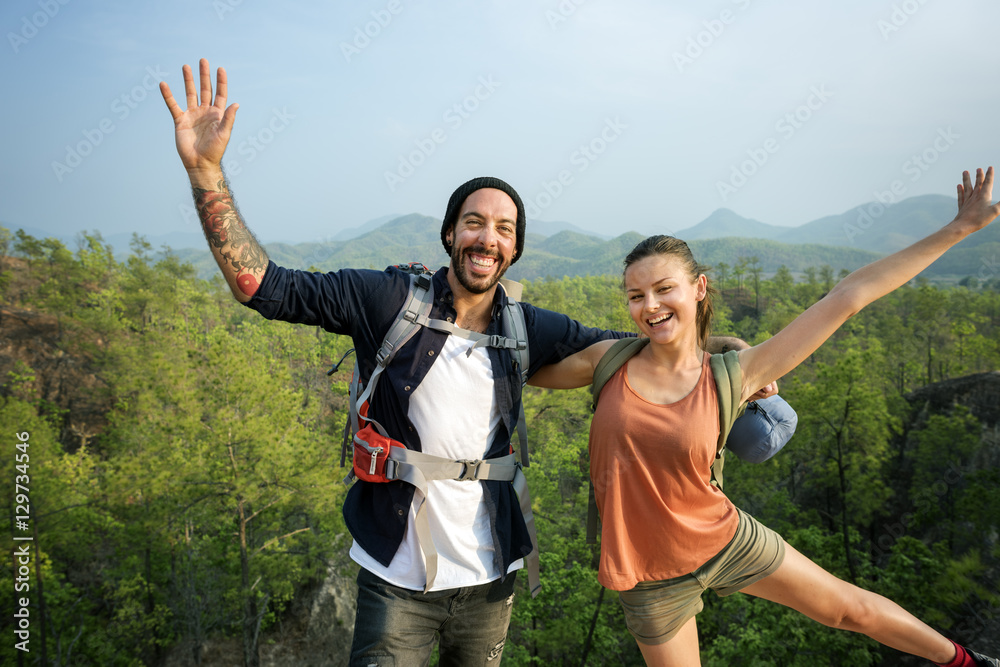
[620, 116]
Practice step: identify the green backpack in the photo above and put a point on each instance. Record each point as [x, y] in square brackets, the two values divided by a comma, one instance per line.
[729, 385]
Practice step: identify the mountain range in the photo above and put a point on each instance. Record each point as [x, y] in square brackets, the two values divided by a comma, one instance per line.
[845, 241]
[555, 249]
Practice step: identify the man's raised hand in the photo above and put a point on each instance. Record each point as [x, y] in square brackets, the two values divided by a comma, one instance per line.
[202, 131]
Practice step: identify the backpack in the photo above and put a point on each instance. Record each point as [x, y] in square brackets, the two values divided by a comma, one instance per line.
[379, 458]
[729, 385]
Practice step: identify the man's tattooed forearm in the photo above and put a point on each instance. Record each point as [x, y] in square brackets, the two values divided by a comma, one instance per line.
[229, 237]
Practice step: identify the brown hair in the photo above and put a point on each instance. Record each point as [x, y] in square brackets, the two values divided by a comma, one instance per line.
[671, 246]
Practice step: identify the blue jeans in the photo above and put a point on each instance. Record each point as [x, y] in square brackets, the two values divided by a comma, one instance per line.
[397, 627]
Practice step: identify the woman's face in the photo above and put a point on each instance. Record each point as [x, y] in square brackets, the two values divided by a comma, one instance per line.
[662, 298]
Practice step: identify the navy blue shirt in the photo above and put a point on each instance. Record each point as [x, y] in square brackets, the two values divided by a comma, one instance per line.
[363, 304]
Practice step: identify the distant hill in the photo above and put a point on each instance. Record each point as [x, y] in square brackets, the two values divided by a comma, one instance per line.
[546, 228]
[723, 222]
[772, 254]
[876, 227]
[362, 229]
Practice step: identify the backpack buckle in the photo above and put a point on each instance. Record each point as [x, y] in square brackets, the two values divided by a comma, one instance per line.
[503, 343]
[470, 470]
[383, 354]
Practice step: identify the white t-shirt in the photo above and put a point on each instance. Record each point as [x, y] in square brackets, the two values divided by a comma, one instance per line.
[454, 409]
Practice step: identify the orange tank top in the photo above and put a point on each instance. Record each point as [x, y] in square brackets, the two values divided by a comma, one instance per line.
[651, 467]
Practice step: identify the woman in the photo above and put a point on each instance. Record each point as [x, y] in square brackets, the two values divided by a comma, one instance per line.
[667, 532]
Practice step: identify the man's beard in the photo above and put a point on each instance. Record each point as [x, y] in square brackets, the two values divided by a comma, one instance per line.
[472, 283]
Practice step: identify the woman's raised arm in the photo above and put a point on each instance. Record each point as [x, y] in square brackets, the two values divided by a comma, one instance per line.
[789, 347]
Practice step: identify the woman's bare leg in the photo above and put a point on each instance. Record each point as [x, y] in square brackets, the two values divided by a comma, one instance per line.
[806, 587]
[681, 651]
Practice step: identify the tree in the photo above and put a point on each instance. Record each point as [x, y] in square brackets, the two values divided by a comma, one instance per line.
[783, 282]
[755, 271]
[941, 460]
[826, 277]
[931, 328]
[845, 420]
[722, 272]
[739, 271]
[228, 441]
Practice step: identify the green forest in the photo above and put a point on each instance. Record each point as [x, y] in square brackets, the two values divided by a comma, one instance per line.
[178, 460]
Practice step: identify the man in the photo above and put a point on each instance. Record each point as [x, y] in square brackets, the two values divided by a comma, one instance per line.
[443, 395]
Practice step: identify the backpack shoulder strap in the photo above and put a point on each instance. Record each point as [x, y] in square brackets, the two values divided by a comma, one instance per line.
[415, 309]
[616, 356]
[729, 386]
[515, 330]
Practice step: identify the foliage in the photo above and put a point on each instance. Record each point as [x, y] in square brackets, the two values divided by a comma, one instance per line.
[204, 497]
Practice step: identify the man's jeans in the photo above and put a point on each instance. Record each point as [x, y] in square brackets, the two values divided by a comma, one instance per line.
[398, 626]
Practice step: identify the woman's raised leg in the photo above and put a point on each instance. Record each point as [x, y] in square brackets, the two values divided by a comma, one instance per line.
[803, 585]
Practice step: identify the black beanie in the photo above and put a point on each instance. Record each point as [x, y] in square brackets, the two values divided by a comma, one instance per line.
[462, 193]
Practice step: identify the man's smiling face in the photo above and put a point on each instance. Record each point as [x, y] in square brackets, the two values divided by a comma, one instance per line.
[483, 239]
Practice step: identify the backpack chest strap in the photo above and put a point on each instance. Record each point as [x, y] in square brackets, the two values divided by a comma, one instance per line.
[418, 468]
[481, 339]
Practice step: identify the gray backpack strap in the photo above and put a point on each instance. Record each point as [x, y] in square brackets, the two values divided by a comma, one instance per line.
[729, 384]
[416, 306]
[616, 356]
[409, 319]
[509, 341]
[516, 330]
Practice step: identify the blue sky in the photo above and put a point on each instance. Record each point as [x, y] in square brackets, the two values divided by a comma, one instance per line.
[614, 116]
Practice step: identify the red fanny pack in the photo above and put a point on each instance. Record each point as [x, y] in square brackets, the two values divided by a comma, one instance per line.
[371, 451]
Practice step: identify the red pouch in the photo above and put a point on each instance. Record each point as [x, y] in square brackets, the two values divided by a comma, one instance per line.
[371, 451]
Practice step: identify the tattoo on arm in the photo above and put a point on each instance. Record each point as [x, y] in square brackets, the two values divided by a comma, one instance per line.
[230, 240]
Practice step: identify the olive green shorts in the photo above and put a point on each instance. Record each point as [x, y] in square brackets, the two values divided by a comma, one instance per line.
[656, 610]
